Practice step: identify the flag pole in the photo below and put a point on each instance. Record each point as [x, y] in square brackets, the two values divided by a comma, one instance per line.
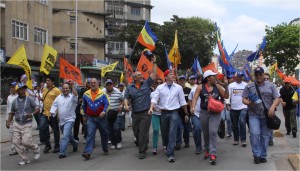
[76, 31]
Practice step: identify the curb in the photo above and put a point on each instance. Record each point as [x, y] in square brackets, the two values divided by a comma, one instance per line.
[294, 160]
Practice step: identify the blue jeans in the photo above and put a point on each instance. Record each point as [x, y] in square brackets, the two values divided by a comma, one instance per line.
[238, 118]
[186, 131]
[197, 130]
[114, 128]
[169, 122]
[66, 130]
[94, 123]
[225, 115]
[44, 130]
[259, 136]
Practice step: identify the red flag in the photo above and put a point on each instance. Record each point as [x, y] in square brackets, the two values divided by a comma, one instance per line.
[68, 71]
[129, 71]
[210, 66]
[145, 67]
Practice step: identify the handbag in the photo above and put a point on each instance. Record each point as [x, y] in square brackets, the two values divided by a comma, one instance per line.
[214, 106]
[272, 122]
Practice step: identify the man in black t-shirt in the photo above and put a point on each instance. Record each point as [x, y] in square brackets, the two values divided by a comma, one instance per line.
[289, 109]
[182, 124]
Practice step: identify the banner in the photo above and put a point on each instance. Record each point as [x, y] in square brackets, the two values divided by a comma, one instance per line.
[147, 38]
[272, 68]
[174, 55]
[145, 67]
[108, 68]
[68, 71]
[48, 59]
[129, 71]
[19, 58]
[280, 73]
[210, 66]
[122, 78]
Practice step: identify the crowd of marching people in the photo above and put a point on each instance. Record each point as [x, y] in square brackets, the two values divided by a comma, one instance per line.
[174, 105]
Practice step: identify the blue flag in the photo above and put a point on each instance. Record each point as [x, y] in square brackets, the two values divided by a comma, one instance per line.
[254, 56]
[168, 62]
[196, 68]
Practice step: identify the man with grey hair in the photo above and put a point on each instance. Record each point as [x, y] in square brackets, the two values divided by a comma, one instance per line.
[138, 93]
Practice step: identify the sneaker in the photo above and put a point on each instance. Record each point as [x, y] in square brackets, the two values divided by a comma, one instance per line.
[109, 142]
[171, 159]
[154, 151]
[119, 146]
[37, 154]
[113, 147]
[47, 149]
[271, 143]
[13, 153]
[228, 137]
[206, 155]
[263, 160]
[235, 143]
[294, 132]
[55, 150]
[142, 155]
[61, 156]
[24, 162]
[213, 159]
[86, 156]
[256, 160]
[40, 143]
[244, 144]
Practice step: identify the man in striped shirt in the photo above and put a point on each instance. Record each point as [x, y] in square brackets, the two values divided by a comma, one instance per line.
[114, 116]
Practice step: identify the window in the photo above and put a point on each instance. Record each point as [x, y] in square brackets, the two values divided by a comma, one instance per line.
[72, 45]
[40, 36]
[19, 30]
[72, 19]
[44, 2]
[115, 10]
[119, 46]
[118, 10]
[135, 11]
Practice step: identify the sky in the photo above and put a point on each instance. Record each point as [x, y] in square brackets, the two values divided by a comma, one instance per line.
[241, 22]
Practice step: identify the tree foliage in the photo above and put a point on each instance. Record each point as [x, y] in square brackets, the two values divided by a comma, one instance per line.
[196, 37]
[283, 46]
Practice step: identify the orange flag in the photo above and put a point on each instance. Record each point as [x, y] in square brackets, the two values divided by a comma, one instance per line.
[280, 73]
[210, 66]
[145, 67]
[68, 71]
[129, 71]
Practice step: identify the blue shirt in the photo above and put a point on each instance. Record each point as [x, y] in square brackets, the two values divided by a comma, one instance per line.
[140, 98]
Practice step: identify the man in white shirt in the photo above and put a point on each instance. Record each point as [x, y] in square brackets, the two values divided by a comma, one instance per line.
[169, 97]
[13, 95]
[238, 111]
[65, 105]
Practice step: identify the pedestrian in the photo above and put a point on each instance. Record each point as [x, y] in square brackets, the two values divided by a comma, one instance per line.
[156, 120]
[196, 122]
[210, 121]
[64, 105]
[114, 114]
[271, 142]
[138, 95]
[191, 82]
[238, 111]
[50, 92]
[183, 124]
[95, 104]
[123, 113]
[169, 97]
[289, 109]
[259, 132]
[23, 108]
[13, 95]
[296, 100]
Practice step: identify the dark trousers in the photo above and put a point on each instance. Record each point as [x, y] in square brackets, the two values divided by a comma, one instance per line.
[140, 125]
[114, 128]
[44, 130]
[186, 131]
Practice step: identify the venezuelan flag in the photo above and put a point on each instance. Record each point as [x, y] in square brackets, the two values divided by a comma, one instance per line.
[147, 38]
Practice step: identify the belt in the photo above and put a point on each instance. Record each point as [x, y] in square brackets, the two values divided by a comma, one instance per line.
[168, 111]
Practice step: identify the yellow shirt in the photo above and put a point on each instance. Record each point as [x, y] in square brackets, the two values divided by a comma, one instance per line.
[50, 97]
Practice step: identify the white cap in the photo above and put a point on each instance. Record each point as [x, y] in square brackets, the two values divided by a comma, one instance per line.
[208, 73]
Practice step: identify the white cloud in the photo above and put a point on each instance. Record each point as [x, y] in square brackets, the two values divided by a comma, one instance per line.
[164, 9]
[278, 4]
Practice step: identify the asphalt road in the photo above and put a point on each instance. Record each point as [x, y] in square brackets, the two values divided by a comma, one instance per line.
[229, 157]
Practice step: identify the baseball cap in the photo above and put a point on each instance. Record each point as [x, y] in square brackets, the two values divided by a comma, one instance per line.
[239, 74]
[208, 73]
[22, 85]
[192, 77]
[121, 84]
[88, 80]
[108, 81]
[13, 84]
[220, 76]
[181, 77]
[167, 72]
[259, 69]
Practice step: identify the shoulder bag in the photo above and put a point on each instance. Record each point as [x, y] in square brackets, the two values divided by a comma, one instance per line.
[214, 106]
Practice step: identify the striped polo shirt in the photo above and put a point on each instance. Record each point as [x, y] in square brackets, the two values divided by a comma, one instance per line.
[114, 98]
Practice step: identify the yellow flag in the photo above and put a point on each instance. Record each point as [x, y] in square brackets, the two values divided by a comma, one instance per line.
[174, 55]
[122, 78]
[19, 58]
[272, 68]
[48, 59]
[108, 68]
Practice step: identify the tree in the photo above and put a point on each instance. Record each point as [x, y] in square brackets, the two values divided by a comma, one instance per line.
[283, 46]
[195, 37]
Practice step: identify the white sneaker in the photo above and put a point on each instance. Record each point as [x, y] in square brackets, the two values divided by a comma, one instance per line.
[24, 162]
[37, 155]
[113, 147]
[109, 142]
[119, 145]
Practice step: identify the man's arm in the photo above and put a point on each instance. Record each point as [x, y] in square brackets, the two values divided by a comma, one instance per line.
[10, 118]
[154, 69]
